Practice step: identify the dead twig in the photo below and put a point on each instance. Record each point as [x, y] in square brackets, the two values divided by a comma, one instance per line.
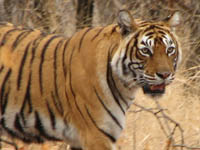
[165, 122]
[9, 143]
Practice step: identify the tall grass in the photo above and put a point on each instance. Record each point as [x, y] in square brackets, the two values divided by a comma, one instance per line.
[182, 98]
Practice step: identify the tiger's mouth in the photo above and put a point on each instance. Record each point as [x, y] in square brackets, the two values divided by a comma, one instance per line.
[154, 90]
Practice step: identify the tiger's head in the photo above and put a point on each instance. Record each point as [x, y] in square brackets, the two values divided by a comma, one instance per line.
[149, 52]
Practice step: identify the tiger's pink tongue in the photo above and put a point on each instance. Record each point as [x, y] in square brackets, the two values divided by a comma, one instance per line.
[160, 87]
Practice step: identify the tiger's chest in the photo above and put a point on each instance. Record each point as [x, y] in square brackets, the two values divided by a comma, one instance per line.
[113, 126]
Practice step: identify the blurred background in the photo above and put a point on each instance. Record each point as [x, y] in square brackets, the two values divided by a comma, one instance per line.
[182, 99]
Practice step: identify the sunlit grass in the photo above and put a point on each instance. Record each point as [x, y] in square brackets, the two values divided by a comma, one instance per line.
[182, 98]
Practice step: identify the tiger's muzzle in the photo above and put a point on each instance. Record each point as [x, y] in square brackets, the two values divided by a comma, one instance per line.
[154, 90]
[156, 86]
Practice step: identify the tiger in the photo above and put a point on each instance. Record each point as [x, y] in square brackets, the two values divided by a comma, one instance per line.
[79, 89]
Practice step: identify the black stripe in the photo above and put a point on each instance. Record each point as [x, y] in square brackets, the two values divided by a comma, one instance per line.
[27, 100]
[119, 94]
[70, 72]
[134, 46]
[17, 124]
[4, 102]
[55, 74]
[111, 85]
[66, 95]
[63, 57]
[81, 40]
[80, 111]
[116, 90]
[57, 104]
[102, 131]
[64, 67]
[42, 60]
[3, 41]
[144, 24]
[11, 132]
[20, 37]
[22, 66]
[1, 69]
[161, 28]
[97, 34]
[73, 148]
[126, 51]
[163, 36]
[28, 95]
[39, 126]
[149, 38]
[107, 110]
[27, 138]
[113, 29]
[70, 84]
[4, 99]
[137, 55]
[143, 43]
[135, 38]
[35, 44]
[149, 28]
[52, 117]
[1, 101]
[149, 34]
[112, 48]
[161, 32]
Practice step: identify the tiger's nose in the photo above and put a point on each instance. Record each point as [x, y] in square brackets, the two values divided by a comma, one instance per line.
[163, 75]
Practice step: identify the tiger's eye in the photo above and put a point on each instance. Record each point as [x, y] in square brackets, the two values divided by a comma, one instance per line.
[145, 50]
[170, 49]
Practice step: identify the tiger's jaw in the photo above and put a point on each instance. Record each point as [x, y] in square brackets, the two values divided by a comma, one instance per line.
[154, 90]
[158, 86]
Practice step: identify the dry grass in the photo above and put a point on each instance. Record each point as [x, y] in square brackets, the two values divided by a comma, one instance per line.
[182, 99]
[143, 131]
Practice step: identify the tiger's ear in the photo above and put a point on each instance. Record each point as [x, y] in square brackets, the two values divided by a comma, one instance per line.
[126, 22]
[174, 19]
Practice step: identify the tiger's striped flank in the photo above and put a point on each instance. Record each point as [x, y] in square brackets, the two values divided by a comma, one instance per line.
[78, 90]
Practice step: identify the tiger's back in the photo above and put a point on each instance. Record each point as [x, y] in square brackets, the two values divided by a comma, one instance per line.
[79, 89]
[35, 104]
[30, 62]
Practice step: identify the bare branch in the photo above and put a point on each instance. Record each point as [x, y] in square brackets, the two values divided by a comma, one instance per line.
[9, 143]
[164, 121]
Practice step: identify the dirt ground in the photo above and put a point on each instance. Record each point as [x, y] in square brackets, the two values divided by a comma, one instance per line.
[181, 103]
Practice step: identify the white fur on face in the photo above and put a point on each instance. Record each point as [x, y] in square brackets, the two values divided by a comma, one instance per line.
[149, 43]
[169, 43]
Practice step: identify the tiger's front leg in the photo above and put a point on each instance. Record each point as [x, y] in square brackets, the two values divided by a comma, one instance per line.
[98, 142]
[97, 146]
[76, 148]
[100, 146]
[93, 139]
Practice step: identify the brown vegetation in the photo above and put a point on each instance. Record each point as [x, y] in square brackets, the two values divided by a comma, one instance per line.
[173, 122]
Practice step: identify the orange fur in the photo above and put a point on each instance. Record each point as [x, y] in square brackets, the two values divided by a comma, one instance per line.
[79, 89]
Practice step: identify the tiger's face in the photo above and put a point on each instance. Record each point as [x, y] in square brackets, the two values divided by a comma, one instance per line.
[151, 53]
[157, 54]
